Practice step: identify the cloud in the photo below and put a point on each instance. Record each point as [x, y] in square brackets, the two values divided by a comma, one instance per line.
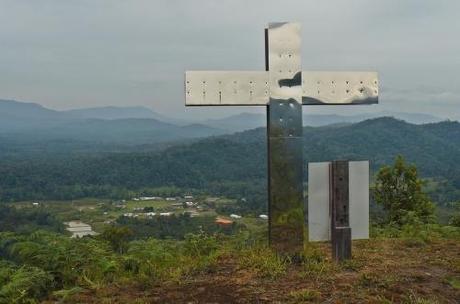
[78, 53]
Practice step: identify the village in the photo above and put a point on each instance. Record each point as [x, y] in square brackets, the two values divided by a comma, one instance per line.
[89, 217]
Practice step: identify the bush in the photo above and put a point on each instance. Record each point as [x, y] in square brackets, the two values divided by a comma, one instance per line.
[25, 285]
[399, 190]
[455, 219]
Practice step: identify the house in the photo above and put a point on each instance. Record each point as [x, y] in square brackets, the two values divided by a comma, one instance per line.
[188, 197]
[190, 204]
[79, 229]
[223, 222]
[235, 216]
[150, 198]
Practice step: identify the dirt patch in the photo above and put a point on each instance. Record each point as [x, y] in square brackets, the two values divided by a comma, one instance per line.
[382, 271]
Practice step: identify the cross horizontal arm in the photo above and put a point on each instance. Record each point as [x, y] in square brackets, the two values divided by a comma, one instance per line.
[251, 88]
[336, 88]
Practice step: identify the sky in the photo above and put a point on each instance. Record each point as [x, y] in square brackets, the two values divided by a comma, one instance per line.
[66, 54]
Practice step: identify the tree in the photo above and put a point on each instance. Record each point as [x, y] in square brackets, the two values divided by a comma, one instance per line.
[118, 237]
[399, 190]
[455, 218]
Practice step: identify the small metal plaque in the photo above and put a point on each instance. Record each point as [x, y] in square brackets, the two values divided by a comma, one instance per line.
[336, 88]
[319, 225]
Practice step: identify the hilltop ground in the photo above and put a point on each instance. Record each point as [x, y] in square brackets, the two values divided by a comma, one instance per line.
[382, 271]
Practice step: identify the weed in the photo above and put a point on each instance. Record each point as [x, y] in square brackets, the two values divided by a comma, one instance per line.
[352, 264]
[304, 295]
[453, 281]
[413, 298]
[65, 294]
[265, 262]
[370, 280]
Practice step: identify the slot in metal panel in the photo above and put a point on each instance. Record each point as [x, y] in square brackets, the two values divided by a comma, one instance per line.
[336, 88]
[319, 222]
[246, 88]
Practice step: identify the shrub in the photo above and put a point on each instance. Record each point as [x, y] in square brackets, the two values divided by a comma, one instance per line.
[399, 190]
[25, 285]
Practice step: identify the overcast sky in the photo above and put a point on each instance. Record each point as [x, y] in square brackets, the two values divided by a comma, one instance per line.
[84, 53]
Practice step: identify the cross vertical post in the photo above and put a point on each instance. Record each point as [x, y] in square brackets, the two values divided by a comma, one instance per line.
[284, 138]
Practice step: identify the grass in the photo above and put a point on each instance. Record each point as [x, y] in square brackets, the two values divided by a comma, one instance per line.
[454, 282]
[263, 262]
[304, 295]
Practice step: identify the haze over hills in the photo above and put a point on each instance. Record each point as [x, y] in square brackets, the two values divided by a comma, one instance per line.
[112, 113]
[236, 160]
[31, 117]
[130, 125]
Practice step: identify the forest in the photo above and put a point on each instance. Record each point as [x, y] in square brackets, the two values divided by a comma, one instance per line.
[230, 165]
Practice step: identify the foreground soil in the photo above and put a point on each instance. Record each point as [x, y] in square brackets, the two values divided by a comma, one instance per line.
[382, 271]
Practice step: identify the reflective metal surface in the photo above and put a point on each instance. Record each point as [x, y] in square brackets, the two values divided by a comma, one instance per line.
[204, 88]
[332, 88]
[252, 88]
[318, 200]
[286, 208]
[284, 121]
[283, 88]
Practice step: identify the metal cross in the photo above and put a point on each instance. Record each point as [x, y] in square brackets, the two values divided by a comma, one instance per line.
[283, 88]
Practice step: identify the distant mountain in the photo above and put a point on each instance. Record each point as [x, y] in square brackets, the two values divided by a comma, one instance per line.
[140, 125]
[21, 117]
[323, 120]
[239, 122]
[130, 131]
[111, 113]
[247, 121]
[29, 122]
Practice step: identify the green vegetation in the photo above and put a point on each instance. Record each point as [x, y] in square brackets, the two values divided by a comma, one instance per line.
[43, 264]
[399, 190]
[304, 295]
[215, 165]
[27, 220]
[150, 258]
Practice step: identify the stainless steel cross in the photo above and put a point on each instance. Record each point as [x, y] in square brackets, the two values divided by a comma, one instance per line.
[283, 88]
